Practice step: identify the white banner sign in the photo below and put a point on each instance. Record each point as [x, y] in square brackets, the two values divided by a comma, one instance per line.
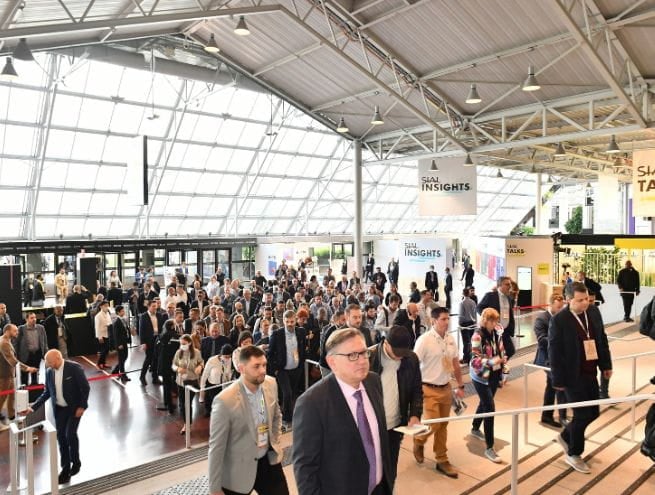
[449, 190]
[643, 183]
[416, 257]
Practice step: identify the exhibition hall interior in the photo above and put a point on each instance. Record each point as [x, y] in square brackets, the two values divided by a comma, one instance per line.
[189, 187]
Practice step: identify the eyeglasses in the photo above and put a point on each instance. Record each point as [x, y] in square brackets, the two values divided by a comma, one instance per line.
[354, 356]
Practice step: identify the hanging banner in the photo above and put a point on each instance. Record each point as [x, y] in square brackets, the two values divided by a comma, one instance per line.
[643, 183]
[449, 190]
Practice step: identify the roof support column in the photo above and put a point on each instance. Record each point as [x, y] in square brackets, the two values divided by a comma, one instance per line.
[358, 204]
[537, 207]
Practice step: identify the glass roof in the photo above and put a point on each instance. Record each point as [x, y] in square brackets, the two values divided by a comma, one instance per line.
[213, 155]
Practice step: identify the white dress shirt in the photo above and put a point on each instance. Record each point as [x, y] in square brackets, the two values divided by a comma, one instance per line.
[348, 393]
[102, 322]
[59, 386]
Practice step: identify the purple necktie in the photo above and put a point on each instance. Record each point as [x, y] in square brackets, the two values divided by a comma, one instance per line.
[367, 440]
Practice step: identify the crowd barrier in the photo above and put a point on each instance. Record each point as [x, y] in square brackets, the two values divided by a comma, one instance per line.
[17, 484]
[187, 407]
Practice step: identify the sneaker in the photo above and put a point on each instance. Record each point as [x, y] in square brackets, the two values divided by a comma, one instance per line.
[477, 434]
[564, 421]
[576, 462]
[492, 456]
[563, 444]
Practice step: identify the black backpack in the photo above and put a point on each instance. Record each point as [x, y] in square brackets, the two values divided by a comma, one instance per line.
[646, 321]
[648, 445]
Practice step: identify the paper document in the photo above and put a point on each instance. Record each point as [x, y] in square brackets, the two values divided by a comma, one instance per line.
[412, 430]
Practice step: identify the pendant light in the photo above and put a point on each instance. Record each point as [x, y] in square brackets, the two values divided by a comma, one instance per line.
[342, 127]
[22, 51]
[9, 72]
[613, 146]
[531, 83]
[242, 27]
[473, 96]
[211, 46]
[433, 166]
[469, 161]
[560, 151]
[377, 118]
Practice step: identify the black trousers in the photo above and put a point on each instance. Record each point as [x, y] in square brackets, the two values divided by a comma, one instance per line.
[69, 444]
[585, 389]
[103, 348]
[149, 361]
[550, 394]
[270, 480]
[447, 292]
[210, 395]
[486, 394]
[467, 333]
[181, 398]
[395, 439]
[122, 357]
[628, 300]
[33, 360]
[289, 383]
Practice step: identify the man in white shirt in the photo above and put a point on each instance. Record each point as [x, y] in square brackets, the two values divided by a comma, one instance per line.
[439, 358]
[387, 315]
[102, 324]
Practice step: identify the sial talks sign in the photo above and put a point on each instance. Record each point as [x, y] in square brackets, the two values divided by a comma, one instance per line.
[449, 190]
[643, 183]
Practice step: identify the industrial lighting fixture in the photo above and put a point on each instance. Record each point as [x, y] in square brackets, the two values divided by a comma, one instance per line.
[531, 83]
[550, 179]
[377, 118]
[242, 27]
[588, 186]
[533, 169]
[560, 151]
[211, 46]
[342, 127]
[499, 175]
[433, 166]
[22, 51]
[469, 161]
[612, 148]
[8, 72]
[473, 96]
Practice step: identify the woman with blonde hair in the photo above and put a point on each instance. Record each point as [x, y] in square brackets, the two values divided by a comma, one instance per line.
[488, 364]
[187, 365]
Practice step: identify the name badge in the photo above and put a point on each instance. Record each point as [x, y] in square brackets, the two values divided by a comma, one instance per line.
[447, 363]
[505, 315]
[590, 350]
[262, 435]
[295, 356]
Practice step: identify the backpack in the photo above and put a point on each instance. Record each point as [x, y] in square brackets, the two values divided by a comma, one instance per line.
[646, 321]
[648, 445]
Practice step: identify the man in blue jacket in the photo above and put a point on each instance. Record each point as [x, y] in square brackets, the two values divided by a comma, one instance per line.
[67, 386]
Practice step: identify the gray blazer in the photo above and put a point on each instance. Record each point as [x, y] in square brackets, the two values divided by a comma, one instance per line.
[233, 438]
[21, 342]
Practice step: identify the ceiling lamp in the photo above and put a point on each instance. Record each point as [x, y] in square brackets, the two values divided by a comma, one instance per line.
[22, 51]
[469, 161]
[211, 46]
[612, 148]
[560, 151]
[434, 167]
[531, 83]
[8, 72]
[377, 118]
[473, 96]
[533, 169]
[342, 127]
[242, 27]
[499, 175]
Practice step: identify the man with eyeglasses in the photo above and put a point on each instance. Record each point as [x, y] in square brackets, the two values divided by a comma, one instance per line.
[502, 302]
[439, 357]
[340, 442]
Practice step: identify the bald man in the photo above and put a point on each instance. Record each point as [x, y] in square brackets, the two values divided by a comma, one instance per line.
[410, 319]
[67, 386]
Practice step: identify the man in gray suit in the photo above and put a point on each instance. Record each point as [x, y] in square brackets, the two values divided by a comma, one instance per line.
[244, 449]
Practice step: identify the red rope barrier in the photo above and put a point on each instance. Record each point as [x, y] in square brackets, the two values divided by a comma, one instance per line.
[41, 387]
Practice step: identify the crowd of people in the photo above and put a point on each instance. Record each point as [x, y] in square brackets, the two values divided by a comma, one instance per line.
[393, 365]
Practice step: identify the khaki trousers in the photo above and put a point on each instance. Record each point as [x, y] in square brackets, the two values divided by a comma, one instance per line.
[436, 404]
[7, 384]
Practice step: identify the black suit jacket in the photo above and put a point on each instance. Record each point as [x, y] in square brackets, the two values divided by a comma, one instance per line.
[75, 388]
[206, 345]
[277, 349]
[52, 331]
[541, 324]
[75, 303]
[328, 453]
[403, 320]
[146, 332]
[115, 295]
[491, 300]
[120, 333]
[564, 347]
[431, 280]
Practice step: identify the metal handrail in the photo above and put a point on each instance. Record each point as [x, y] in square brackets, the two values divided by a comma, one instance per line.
[633, 357]
[307, 363]
[527, 410]
[14, 465]
[187, 407]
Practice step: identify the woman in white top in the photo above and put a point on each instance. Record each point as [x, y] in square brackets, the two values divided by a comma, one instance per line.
[113, 277]
[187, 365]
[218, 370]
[212, 287]
[182, 296]
[102, 322]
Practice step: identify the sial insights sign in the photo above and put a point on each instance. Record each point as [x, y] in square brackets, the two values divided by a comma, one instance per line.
[449, 190]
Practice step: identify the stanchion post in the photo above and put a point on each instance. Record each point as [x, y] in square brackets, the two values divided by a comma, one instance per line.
[29, 457]
[525, 404]
[187, 418]
[14, 467]
[52, 447]
[306, 375]
[634, 390]
[515, 453]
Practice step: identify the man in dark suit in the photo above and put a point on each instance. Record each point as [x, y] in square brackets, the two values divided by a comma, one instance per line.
[76, 302]
[577, 348]
[248, 304]
[501, 301]
[150, 324]
[213, 343]
[340, 442]
[68, 388]
[628, 282]
[468, 275]
[370, 265]
[410, 319]
[432, 282]
[120, 331]
[114, 295]
[392, 271]
[448, 287]
[593, 287]
[57, 331]
[541, 324]
[200, 302]
[286, 359]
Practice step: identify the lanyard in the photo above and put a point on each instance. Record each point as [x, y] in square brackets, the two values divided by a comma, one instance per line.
[585, 327]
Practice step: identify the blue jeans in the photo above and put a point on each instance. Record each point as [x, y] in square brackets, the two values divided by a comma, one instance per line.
[486, 394]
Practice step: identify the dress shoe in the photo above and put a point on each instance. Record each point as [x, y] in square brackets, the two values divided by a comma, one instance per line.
[75, 468]
[156, 381]
[64, 477]
[652, 380]
[550, 422]
[447, 469]
[418, 453]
